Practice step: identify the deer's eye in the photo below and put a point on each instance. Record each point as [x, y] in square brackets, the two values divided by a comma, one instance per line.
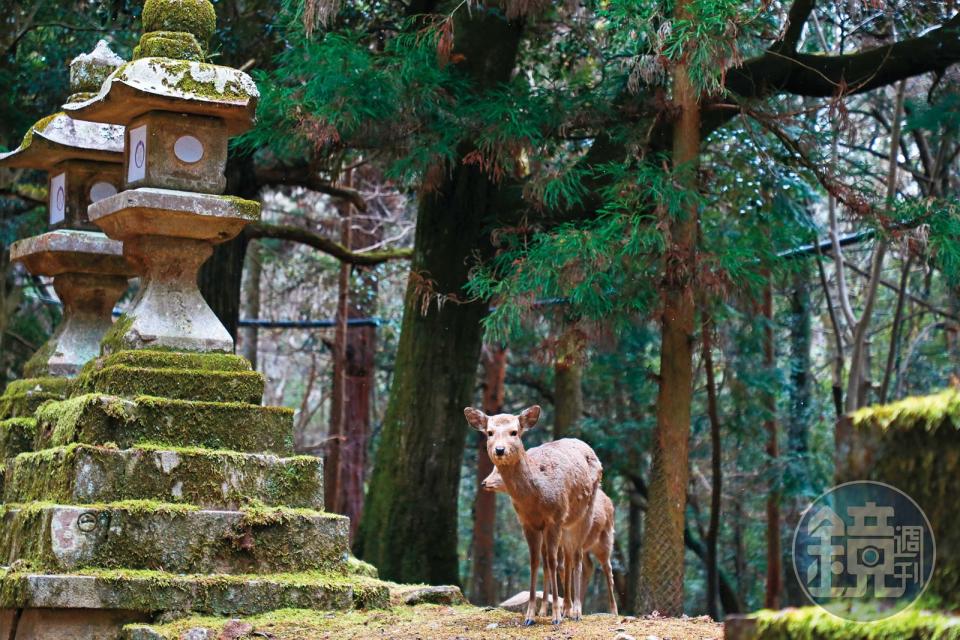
[490, 433]
[513, 433]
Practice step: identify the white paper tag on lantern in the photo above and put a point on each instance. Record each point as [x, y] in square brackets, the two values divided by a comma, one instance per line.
[138, 154]
[58, 199]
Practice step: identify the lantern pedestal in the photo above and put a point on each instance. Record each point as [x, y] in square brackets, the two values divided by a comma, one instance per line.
[169, 235]
[89, 275]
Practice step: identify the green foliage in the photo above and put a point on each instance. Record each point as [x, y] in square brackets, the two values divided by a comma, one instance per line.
[813, 623]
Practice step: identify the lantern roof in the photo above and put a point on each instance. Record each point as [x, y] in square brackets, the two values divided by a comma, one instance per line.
[179, 86]
[169, 73]
[59, 137]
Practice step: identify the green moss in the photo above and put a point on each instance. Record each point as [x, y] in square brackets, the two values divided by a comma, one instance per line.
[40, 126]
[169, 44]
[179, 384]
[814, 623]
[151, 359]
[925, 412]
[192, 16]
[39, 363]
[249, 209]
[358, 567]
[48, 385]
[23, 397]
[113, 341]
[97, 419]
[16, 436]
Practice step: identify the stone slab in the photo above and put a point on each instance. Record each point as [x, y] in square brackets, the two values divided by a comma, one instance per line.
[23, 397]
[102, 419]
[82, 474]
[146, 358]
[178, 384]
[223, 595]
[177, 214]
[16, 437]
[66, 624]
[739, 627]
[71, 251]
[174, 538]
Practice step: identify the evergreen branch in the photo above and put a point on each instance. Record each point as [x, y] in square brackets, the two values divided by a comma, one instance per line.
[322, 243]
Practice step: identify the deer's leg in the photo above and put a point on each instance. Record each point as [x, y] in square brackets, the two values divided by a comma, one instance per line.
[534, 539]
[576, 571]
[608, 572]
[546, 582]
[552, 544]
[567, 586]
[586, 575]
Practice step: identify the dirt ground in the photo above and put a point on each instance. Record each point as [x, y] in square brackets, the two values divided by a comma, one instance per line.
[438, 622]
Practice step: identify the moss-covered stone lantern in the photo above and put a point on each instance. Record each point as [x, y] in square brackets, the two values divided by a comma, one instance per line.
[178, 113]
[162, 485]
[83, 161]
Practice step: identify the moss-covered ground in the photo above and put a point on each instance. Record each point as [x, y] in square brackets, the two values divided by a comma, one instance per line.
[812, 623]
[438, 622]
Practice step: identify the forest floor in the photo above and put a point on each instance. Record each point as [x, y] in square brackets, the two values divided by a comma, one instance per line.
[439, 622]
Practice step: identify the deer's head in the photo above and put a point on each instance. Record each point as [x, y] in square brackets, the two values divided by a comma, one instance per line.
[503, 432]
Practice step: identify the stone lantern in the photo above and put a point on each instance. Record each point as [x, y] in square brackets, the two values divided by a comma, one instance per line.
[178, 113]
[83, 162]
[162, 485]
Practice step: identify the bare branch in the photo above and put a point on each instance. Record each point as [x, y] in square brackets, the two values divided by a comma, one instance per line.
[324, 244]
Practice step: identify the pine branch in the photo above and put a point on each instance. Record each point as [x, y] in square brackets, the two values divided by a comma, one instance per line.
[303, 176]
[322, 243]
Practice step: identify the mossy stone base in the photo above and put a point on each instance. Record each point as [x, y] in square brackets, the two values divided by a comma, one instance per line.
[150, 359]
[16, 436]
[85, 474]
[178, 384]
[814, 622]
[176, 538]
[22, 397]
[214, 594]
[178, 45]
[102, 419]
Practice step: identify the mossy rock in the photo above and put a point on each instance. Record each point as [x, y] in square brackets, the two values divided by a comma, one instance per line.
[169, 44]
[101, 419]
[211, 594]
[178, 384]
[150, 359]
[23, 397]
[16, 436]
[815, 623]
[172, 537]
[197, 17]
[85, 474]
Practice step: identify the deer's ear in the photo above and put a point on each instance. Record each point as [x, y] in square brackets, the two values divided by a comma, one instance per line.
[529, 417]
[476, 418]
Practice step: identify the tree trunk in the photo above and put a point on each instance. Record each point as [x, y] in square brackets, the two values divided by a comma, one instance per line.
[484, 588]
[716, 490]
[409, 527]
[354, 371]
[568, 398]
[774, 565]
[798, 478]
[662, 567]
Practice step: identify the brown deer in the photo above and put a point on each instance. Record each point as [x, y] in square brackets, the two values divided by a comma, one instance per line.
[599, 541]
[552, 488]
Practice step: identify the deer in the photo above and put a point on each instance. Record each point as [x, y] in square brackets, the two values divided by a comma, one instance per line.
[598, 542]
[552, 488]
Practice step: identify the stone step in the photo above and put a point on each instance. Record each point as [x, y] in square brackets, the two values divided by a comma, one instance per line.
[148, 359]
[211, 479]
[16, 436]
[171, 537]
[178, 384]
[102, 419]
[22, 397]
[120, 597]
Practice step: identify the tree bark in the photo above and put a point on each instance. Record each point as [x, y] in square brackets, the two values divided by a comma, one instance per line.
[409, 527]
[774, 564]
[484, 588]
[662, 568]
[354, 371]
[716, 460]
[568, 398]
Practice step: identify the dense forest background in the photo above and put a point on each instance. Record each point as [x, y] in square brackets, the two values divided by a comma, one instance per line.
[697, 232]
